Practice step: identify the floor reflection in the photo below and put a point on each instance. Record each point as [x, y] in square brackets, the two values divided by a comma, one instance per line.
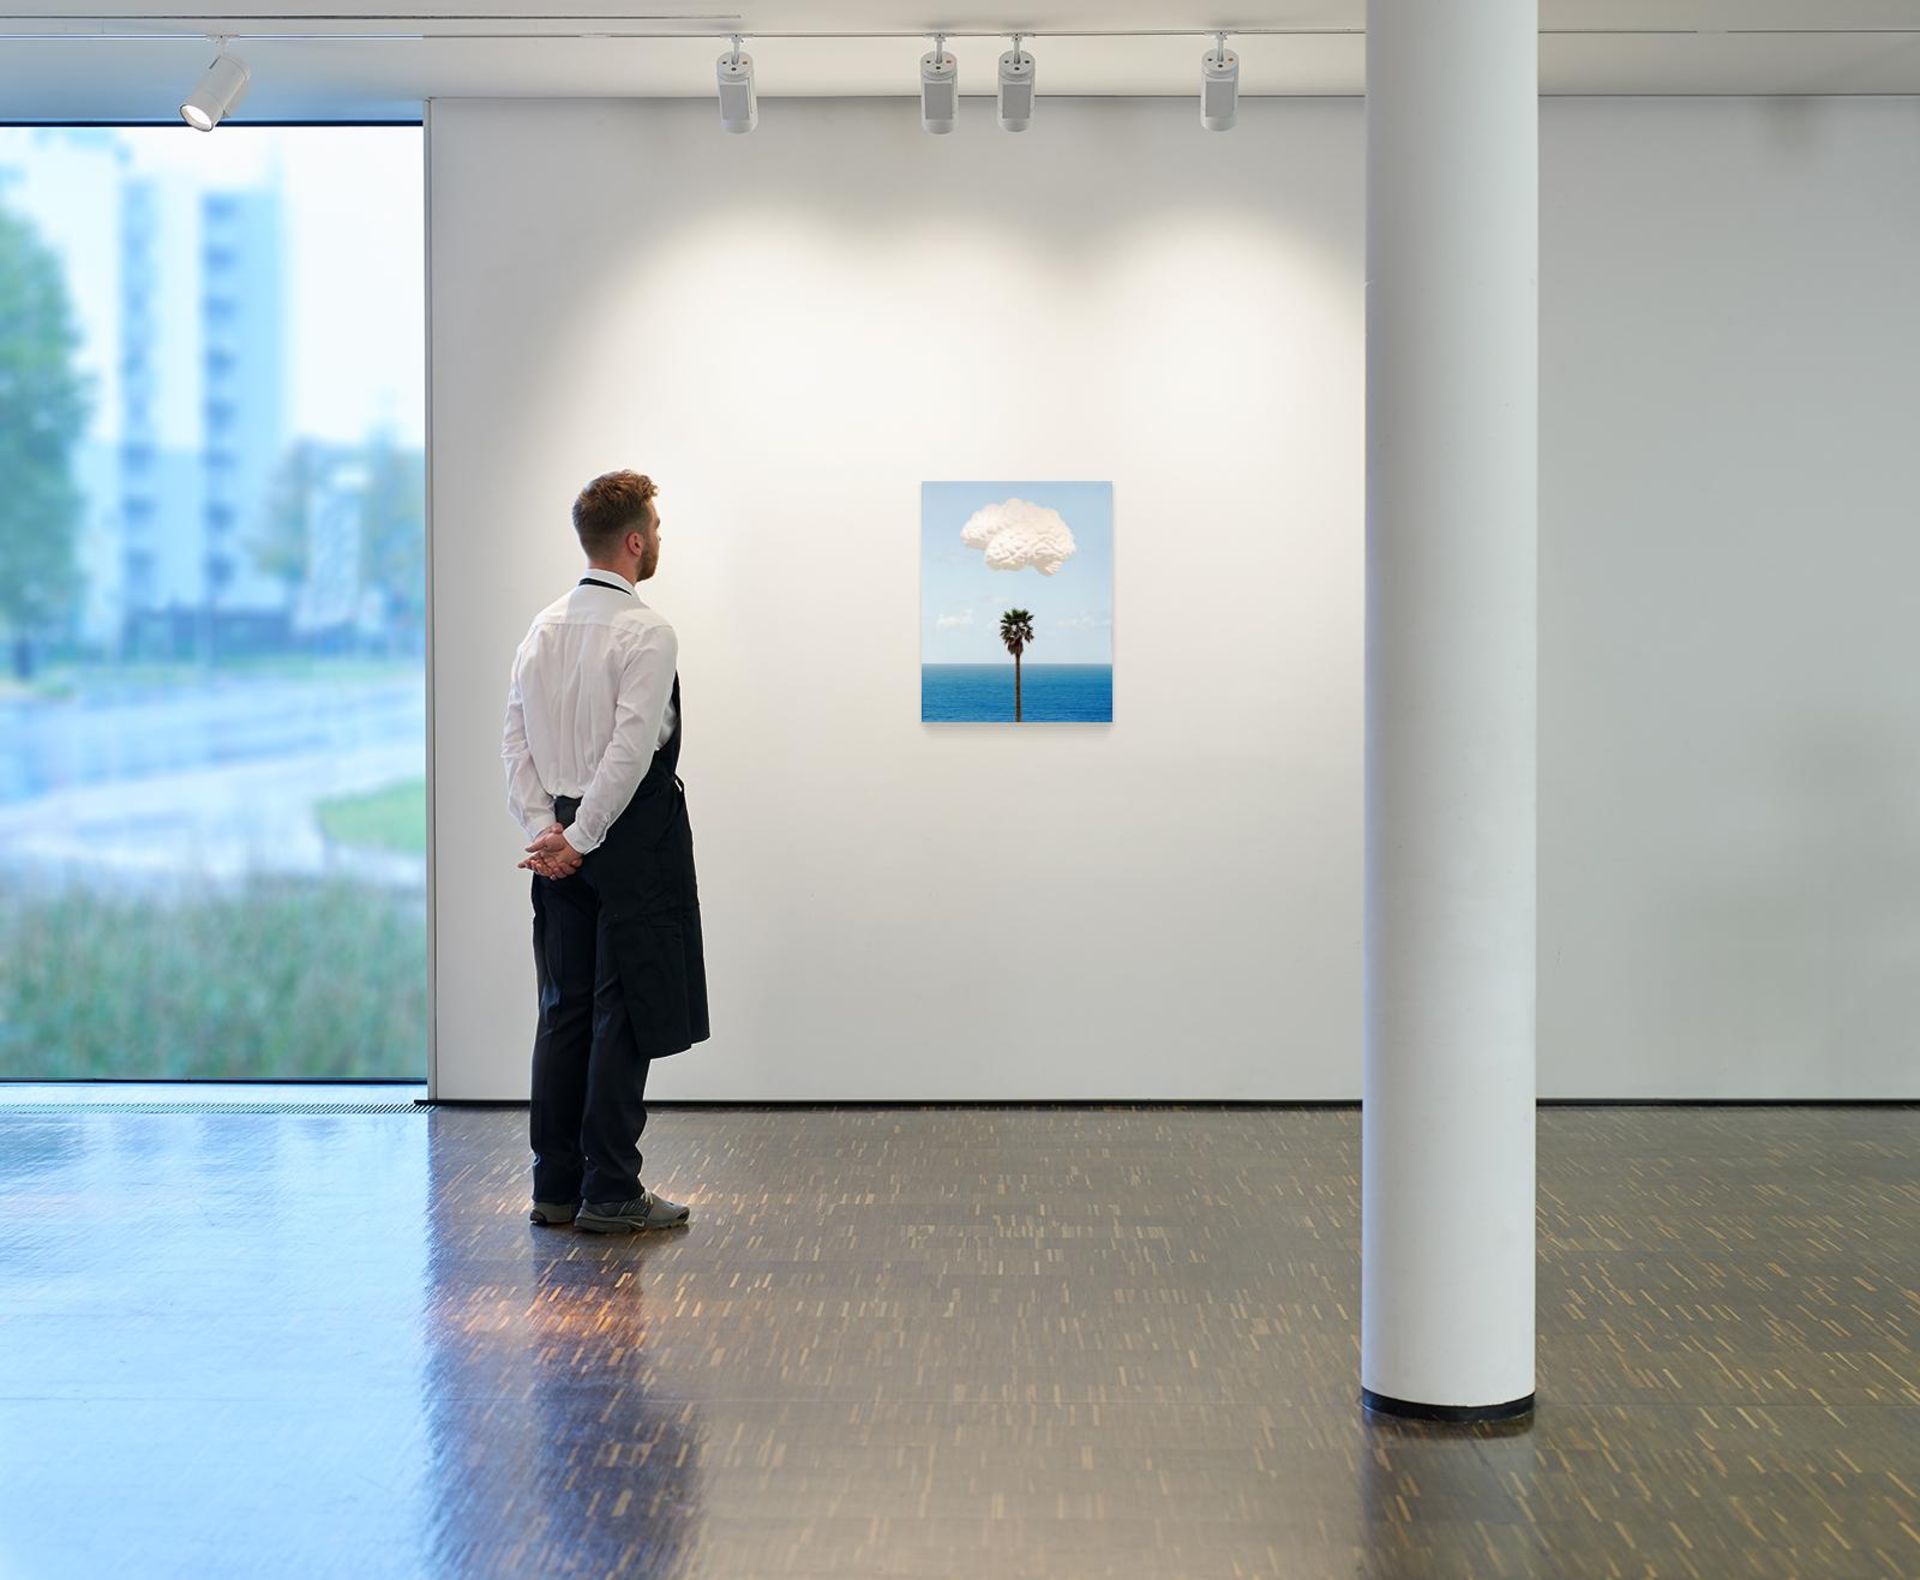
[1438, 1498]
[1003, 1344]
[210, 1344]
[556, 1448]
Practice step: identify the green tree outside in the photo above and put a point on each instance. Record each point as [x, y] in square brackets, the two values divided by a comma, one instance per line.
[390, 485]
[44, 404]
[281, 550]
[393, 534]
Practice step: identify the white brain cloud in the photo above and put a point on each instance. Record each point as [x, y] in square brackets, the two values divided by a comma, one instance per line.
[1016, 535]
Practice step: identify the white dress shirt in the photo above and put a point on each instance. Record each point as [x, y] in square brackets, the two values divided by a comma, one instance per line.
[590, 702]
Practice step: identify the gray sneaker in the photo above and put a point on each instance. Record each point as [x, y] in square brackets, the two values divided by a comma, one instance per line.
[645, 1211]
[554, 1214]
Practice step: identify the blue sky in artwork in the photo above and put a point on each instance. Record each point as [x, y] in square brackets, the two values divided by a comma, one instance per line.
[961, 601]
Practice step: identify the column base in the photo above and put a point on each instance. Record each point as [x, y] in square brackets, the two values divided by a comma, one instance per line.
[1381, 1404]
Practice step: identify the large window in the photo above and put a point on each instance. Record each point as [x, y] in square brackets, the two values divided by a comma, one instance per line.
[212, 603]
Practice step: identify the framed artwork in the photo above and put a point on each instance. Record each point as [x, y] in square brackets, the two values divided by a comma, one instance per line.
[1016, 603]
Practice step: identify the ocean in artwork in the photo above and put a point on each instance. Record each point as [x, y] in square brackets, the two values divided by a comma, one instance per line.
[1049, 693]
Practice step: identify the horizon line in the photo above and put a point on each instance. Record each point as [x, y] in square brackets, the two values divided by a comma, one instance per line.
[980, 663]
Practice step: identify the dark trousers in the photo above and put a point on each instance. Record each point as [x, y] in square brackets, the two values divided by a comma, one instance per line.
[589, 1077]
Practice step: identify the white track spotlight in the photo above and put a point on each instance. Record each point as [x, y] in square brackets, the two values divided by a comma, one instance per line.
[939, 88]
[739, 106]
[221, 87]
[1016, 88]
[1219, 86]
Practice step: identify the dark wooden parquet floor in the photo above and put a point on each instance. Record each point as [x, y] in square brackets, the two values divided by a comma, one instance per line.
[935, 1343]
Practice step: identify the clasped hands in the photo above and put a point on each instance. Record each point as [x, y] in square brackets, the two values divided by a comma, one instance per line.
[551, 856]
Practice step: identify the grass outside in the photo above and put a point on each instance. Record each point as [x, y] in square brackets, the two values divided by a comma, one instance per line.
[284, 979]
[391, 819]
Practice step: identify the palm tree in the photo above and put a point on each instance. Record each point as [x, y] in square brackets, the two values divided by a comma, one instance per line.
[1016, 630]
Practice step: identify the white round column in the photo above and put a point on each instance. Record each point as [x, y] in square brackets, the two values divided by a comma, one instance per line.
[1447, 1174]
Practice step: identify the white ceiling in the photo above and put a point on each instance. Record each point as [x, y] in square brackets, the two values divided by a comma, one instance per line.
[61, 61]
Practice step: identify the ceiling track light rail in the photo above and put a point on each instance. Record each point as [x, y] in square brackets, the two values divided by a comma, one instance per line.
[721, 24]
[62, 28]
[226, 79]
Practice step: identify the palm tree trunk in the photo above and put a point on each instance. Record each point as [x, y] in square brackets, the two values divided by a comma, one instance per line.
[1016, 688]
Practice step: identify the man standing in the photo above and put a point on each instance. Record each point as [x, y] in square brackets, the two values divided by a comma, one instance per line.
[591, 745]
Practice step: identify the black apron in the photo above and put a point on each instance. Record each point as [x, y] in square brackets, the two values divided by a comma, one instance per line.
[650, 904]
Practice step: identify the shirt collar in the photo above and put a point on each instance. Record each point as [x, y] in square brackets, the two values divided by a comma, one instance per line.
[611, 579]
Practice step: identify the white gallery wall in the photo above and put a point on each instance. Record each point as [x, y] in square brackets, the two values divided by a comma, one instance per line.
[1730, 598]
[790, 331]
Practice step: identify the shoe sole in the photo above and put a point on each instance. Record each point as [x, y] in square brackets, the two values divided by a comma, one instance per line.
[623, 1225]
